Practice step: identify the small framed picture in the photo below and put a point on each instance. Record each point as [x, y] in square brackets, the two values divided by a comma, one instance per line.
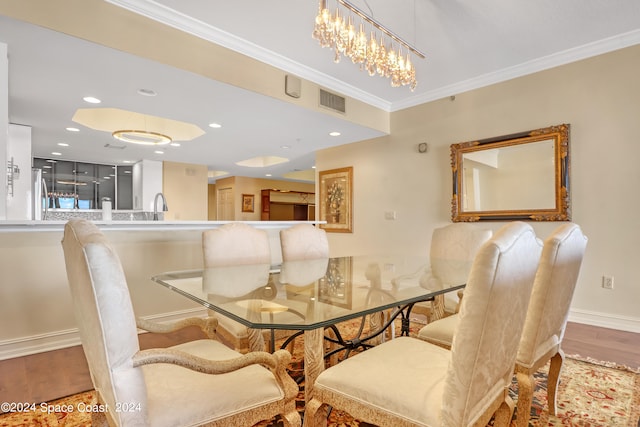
[247, 202]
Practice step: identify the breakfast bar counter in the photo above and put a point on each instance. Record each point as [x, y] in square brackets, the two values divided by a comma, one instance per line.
[35, 304]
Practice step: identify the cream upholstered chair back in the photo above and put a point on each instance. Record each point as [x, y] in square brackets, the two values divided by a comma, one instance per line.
[553, 290]
[546, 320]
[453, 248]
[303, 272]
[105, 318]
[492, 316]
[303, 241]
[235, 243]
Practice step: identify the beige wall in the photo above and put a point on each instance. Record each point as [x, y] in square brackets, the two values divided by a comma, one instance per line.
[599, 97]
[185, 187]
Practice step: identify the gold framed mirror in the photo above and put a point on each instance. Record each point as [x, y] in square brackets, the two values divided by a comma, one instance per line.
[522, 176]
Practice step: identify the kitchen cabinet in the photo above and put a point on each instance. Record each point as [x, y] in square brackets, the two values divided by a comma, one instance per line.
[281, 205]
[79, 185]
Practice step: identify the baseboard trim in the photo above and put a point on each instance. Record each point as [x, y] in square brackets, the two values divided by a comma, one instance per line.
[605, 320]
[40, 343]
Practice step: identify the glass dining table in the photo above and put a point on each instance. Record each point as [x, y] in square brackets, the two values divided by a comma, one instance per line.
[311, 295]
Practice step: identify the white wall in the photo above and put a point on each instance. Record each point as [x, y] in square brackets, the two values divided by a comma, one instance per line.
[598, 97]
[4, 126]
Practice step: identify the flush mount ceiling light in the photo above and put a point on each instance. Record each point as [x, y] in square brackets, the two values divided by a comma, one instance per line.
[338, 31]
[136, 128]
[141, 137]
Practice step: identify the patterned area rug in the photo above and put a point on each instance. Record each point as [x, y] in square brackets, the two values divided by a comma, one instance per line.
[591, 394]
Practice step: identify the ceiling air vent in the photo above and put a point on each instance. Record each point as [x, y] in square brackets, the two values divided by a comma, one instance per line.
[117, 147]
[332, 101]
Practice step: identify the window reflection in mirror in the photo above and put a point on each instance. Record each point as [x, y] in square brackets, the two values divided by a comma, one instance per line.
[520, 176]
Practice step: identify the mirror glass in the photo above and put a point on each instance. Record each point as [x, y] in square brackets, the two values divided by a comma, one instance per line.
[519, 176]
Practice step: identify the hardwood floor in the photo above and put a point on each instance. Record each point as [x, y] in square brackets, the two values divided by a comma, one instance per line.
[51, 375]
[602, 344]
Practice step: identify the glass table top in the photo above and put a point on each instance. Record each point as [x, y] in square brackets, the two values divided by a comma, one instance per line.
[308, 294]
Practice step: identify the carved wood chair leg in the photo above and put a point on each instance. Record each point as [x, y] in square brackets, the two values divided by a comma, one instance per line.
[553, 380]
[291, 419]
[437, 308]
[525, 398]
[315, 414]
[504, 413]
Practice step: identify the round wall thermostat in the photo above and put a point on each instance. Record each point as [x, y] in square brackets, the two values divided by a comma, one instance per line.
[422, 147]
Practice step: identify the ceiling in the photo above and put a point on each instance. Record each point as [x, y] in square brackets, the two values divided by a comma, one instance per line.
[468, 44]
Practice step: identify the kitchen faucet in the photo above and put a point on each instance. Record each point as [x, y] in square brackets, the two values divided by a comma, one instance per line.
[155, 205]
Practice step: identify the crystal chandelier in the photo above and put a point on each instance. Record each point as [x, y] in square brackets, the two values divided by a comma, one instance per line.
[338, 32]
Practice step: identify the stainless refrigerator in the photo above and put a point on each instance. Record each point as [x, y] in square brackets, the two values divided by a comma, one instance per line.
[39, 200]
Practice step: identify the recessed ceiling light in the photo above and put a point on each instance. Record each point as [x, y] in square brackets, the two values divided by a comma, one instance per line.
[55, 153]
[175, 144]
[63, 144]
[127, 171]
[147, 92]
[73, 129]
[313, 167]
[334, 133]
[215, 125]
[285, 147]
[51, 161]
[159, 152]
[46, 167]
[91, 100]
[267, 174]
[127, 161]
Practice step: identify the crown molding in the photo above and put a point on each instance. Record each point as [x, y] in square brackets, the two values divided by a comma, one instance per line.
[530, 67]
[182, 22]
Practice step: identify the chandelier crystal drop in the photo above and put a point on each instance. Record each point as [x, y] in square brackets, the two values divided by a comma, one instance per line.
[338, 32]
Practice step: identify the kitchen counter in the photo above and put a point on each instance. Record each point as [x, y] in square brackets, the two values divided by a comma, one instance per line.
[36, 313]
[12, 226]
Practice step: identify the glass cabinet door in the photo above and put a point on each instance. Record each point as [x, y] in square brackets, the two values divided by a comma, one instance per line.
[78, 185]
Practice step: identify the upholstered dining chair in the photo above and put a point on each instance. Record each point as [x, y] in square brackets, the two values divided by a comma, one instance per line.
[546, 319]
[232, 244]
[409, 382]
[302, 242]
[547, 316]
[451, 253]
[201, 382]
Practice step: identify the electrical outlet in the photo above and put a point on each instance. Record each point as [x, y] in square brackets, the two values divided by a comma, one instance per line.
[607, 282]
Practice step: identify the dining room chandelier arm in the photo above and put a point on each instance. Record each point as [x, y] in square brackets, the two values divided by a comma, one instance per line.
[380, 27]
